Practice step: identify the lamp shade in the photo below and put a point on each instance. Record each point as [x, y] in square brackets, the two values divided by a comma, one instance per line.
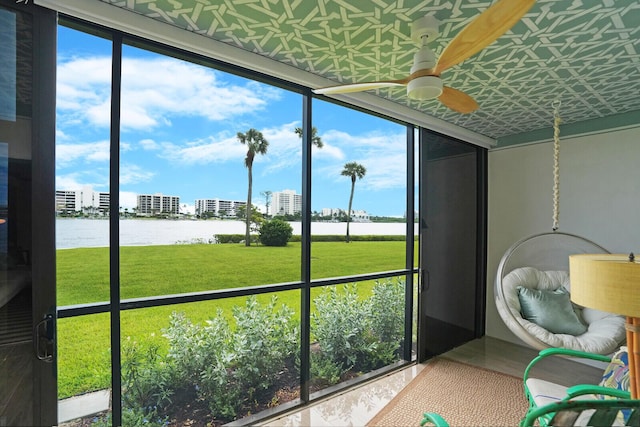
[607, 282]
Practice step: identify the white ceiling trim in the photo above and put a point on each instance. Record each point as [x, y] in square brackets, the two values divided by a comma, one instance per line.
[120, 19]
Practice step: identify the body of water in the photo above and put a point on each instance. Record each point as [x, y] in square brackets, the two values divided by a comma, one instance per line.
[77, 233]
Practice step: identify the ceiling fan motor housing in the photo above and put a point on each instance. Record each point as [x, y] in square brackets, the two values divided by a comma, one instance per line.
[425, 87]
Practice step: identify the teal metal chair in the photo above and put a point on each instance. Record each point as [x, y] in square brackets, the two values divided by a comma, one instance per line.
[591, 412]
[433, 419]
[610, 412]
[543, 394]
[580, 405]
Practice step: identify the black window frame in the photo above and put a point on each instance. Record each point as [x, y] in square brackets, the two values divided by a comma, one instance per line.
[116, 305]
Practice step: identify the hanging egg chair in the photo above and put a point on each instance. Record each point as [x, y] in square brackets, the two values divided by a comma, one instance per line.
[541, 262]
[532, 289]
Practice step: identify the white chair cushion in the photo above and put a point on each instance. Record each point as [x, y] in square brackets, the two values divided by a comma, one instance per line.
[605, 330]
[545, 392]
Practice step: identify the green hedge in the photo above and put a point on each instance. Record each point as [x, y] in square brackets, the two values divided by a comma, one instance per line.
[237, 238]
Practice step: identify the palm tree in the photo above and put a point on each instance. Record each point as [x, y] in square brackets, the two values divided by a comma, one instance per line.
[267, 200]
[256, 144]
[315, 139]
[354, 171]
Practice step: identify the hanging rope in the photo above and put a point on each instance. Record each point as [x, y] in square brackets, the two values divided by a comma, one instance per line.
[556, 164]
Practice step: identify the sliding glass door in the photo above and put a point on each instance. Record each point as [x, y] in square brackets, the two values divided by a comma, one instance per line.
[452, 225]
[27, 248]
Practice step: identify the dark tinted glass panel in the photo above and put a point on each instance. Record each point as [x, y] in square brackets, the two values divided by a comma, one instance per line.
[16, 249]
[449, 222]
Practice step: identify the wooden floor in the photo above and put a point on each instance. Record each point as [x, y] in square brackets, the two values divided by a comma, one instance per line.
[358, 406]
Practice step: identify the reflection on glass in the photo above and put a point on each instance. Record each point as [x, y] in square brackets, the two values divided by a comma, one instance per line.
[4, 201]
[210, 362]
[356, 328]
[361, 170]
[16, 242]
[8, 69]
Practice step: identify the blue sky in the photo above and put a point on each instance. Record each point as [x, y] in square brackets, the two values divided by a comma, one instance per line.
[178, 134]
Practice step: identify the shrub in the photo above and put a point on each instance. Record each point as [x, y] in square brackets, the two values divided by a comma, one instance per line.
[228, 238]
[386, 320]
[146, 385]
[356, 238]
[275, 232]
[227, 366]
[355, 334]
[387, 311]
[339, 325]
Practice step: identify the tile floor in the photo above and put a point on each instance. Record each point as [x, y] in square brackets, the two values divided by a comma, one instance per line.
[358, 406]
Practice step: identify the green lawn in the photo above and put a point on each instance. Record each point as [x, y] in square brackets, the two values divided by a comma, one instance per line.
[83, 276]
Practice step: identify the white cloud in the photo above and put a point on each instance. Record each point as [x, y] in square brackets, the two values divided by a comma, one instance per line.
[328, 151]
[383, 155]
[67, 154]
[285, 148]
[83, 85]
[153, 91]
[149, 145]
[132, 174]
[213, 149]
[96, 179]
[68, 182]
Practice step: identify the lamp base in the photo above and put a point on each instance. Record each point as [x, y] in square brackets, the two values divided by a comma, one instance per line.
[633, 344]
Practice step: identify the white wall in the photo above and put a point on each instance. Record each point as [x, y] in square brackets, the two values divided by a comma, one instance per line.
[599, 198]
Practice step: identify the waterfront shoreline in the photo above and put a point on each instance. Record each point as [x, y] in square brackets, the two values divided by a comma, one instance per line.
[85, 232]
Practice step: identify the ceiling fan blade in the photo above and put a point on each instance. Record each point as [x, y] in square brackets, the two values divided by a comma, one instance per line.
[457, 100]
[482, 31]
[359, 87]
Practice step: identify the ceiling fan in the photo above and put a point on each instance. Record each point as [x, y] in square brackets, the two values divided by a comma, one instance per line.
[424, 80]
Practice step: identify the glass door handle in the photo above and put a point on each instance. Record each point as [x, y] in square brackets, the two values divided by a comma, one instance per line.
[424, 280]
[43, 338]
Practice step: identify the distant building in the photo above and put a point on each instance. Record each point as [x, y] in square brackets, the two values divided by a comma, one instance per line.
[332, 212]
[218, 207]
[286, 202]
[360, 216]
[157, 204]
[356, 215]
[85, 201]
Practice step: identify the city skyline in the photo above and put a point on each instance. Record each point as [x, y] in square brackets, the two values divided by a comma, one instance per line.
[67, 197]
[178, 133]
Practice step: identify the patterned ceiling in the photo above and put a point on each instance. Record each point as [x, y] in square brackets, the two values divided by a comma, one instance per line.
[585, 53]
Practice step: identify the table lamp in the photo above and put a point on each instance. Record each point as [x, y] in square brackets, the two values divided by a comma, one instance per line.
[611, 282]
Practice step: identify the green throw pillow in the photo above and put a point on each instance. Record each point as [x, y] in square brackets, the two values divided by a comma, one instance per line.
[551, 310]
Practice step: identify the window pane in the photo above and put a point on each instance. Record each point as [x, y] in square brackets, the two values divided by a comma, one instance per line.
[82, 167]
[211, 362]
[194, 142]
[82, 210]
[362, 164]
[84, 357]
[356, 328]
[18, 367]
